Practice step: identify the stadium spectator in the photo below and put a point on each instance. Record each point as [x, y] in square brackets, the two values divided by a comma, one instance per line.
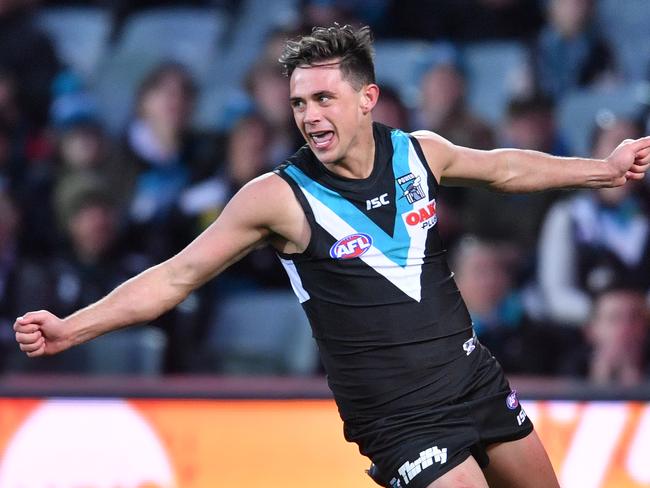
[594, 238]
[390, 109]
[529, 124]
[269, 93]
[485, 277]
[159, 157]
[443, 109]
[29, 55]
[9, 271]
[617, 337]
[247, 156]
[570, 53]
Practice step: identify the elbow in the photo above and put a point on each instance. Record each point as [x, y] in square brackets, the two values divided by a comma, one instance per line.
[504, 176]
[181, 281]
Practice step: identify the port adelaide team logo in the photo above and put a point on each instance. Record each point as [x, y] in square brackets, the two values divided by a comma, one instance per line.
[352, 246]
[411, 188]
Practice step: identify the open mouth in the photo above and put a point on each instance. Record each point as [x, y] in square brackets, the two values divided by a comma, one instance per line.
[322, 138]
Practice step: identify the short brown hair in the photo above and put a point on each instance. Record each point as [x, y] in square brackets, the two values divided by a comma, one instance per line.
[352, 47]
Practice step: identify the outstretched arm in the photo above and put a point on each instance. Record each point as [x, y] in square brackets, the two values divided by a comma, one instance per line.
[516, 170]
[253, 215]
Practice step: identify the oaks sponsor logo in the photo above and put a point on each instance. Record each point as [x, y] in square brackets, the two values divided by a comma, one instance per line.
[423, 217]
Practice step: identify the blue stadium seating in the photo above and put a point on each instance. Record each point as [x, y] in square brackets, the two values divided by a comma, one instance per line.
[263, 332]
[80, 34]
[496, 71]
[401, 64]
[578, 111]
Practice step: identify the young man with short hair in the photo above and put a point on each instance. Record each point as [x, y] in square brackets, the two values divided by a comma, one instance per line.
[353, 218]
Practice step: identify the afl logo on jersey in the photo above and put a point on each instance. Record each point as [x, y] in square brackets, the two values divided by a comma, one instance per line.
[351, 246]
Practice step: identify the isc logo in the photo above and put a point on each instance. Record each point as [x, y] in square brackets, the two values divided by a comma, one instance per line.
[351, 246]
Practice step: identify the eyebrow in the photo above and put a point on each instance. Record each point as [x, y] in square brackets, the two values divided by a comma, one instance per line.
[313, 95]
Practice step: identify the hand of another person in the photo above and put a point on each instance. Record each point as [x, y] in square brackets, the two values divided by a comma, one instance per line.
[41, 333]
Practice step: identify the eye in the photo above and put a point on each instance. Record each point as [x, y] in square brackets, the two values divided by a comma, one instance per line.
[297, 104]
[324, 99]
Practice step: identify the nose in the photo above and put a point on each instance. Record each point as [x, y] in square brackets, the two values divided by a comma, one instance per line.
[312, 113]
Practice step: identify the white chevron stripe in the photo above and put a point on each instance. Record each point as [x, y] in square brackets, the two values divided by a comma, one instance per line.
[406, 278]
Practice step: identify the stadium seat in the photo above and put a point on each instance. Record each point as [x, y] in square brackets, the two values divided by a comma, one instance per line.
[138, 351]
[578, 112]
[192, 36]
[495, 71]
[220, 106]
[80, 35]
[222, 98]
[254, 24]
[115, 88]
[262, 332]
[625, 26]
[401, 64]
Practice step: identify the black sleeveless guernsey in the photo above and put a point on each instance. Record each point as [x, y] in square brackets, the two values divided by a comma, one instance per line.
[374, 281]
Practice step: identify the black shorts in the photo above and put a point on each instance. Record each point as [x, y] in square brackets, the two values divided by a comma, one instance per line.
[412, 449]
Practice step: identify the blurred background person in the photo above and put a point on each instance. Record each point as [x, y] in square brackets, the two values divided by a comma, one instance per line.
[528, 124]
[591, 239]
[485, 273]
[254, 325]
[268, 90]
[615, 350]
[570, 53]
[28, 54]
[11, 271]
[443, 109]
[390, 110]
[247, 156]
[158, 158]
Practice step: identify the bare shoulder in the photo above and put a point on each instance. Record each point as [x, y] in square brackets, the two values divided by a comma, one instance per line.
[269, 195]
[438, 150]
[270, 202]
[263, 211]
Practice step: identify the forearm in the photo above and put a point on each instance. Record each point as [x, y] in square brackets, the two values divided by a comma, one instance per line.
[521, 171]
[140, 299]
[526, 171]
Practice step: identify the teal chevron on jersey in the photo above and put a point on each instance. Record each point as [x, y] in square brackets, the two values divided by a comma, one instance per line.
[395, 248]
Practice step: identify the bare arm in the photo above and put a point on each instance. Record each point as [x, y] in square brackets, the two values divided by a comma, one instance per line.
[259, 210]
[518, 171]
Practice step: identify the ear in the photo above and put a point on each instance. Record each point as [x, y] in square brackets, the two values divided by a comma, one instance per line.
[369, 97]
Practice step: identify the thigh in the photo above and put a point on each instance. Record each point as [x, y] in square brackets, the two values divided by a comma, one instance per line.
[522, 463]
[467, 474]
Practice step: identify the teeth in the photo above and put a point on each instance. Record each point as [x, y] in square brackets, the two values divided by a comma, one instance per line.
[320, 136]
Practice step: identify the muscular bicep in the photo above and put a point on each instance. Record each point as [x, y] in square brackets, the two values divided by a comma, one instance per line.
[459, 166]
[244, 224]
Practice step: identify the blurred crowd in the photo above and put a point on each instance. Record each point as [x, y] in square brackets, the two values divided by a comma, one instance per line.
[111, 163]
